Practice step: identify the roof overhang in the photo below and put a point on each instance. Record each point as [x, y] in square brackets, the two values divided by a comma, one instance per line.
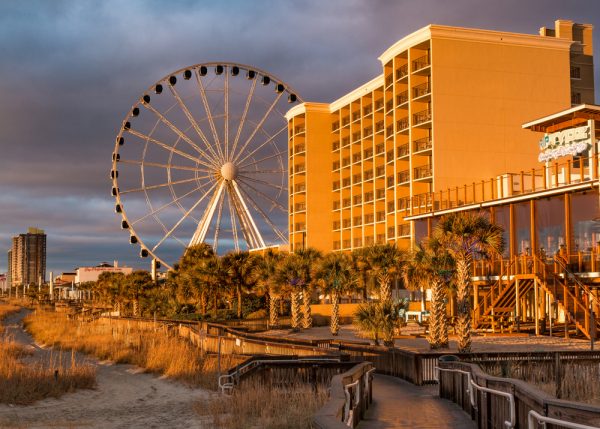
[565, 119]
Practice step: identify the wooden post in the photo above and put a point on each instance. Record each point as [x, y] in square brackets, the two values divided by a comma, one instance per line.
[536, 308]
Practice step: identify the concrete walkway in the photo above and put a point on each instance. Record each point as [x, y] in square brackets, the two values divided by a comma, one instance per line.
[399, 404]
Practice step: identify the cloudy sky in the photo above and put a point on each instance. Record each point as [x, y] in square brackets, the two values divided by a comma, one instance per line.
[70, 71]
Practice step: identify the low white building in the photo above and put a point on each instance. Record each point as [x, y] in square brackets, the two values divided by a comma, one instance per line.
[91, 274]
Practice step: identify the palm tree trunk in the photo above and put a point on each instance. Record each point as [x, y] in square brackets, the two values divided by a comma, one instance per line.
[296, 314]
[335, 314]
[385, 290]
[238, 291]
[463, 322]
[215, 297]
[438, 328]
[306, 316]
[203, 301]
[136, 307]
[273, 313]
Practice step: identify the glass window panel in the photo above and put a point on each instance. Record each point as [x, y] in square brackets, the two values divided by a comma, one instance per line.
[502, 218]
[420, 230]
[585, 221]
[550, 224]
[523, 228]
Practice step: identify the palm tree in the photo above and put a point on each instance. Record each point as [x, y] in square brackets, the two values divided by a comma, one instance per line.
[360, 264]
[214, 275]
[336, 277]
[289, 274]
[385, 261]
[307, 258]
[240, 268]
[266, 274]
[137, 284]
[431, 266]
[111, 287]
[367, 319]
[464, 235]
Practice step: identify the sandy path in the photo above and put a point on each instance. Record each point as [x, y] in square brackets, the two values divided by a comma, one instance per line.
[124, 398]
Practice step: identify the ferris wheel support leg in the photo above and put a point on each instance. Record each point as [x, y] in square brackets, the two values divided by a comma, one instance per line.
[202, 229]
[153, 269]
[246, 213]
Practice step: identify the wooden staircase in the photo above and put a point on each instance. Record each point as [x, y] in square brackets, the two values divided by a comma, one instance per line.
[496, 309]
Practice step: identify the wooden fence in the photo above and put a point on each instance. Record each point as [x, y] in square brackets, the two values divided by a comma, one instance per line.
[492, 410]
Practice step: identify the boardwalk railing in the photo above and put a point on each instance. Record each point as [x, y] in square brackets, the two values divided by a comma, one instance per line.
[495, 402]
[351, 394]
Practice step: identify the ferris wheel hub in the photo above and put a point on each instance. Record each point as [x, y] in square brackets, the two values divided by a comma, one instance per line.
[229, 171]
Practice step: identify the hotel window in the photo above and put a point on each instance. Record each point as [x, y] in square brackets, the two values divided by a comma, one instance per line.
[299, 148]
[576, 98]
[380, 171]
[345, 141]
[345, 181]
[391, 231]
[336, 224]
[356, 136]
[390, 181]
[335, 125]
[346, 223]
[368, 197]
[367, 110]
[389, 155]
[335, 145]
[368, 131]
[379, 126]
[300, 226]
[346, 202]
[368, 153]
[380, 148]
[356, 157]
[357, 242]
[336, 245]
[380, 216]
[379, 193]
[575, 72]
[357, 199]
[357, 178]
[404, 230]
[300, 206]
[403, 203]
[355, 116]
[390, 206]
[369, 218]
[379, 104]
[300, 187]
[380, 238]
[346, 244]
[357, 220]
[336, 205]
[345, 162]
[369, 240]
[368, 175]
[299, 168]
[336, 165]
[336, 185]
[345, 121]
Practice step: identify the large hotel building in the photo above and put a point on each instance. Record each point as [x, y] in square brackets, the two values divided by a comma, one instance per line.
[445, 114]
[27, 258]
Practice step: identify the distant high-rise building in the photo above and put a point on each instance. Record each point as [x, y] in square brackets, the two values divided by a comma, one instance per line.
[27, 258]
[9, 269]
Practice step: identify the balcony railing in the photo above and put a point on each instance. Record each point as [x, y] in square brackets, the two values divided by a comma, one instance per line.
[421, 90]
[544, 178]
[404, 230]
[420, 62]
[388, 80]
[402, 98]
[422, 172]
[402, 124]
[389, 105]
[404, 176]
[402, 72]
[403, 150]
[422, 117]
[422, 144]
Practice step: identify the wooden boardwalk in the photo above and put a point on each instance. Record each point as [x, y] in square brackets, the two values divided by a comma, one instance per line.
[399, 404]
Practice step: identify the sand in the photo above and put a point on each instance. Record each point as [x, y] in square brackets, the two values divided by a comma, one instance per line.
[125, 397]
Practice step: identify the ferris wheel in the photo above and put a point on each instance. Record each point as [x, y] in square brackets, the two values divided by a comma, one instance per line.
[201, 157]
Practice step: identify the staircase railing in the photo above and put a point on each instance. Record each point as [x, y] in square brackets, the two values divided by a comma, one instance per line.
[486, 303]
[570, 302]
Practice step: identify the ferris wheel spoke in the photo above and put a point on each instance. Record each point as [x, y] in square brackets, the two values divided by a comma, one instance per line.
[266, 158]
[270, 139]
[244, 114]
[259, 126]
[261, 171]
[218, 225]
[232, 218]
[166, 166]
[177, 131]
[161, 208]
[211, 122]
[263, 182]
[226, 118]
[162, 185]
[195, 125]
[266, 218]
[169, 148]
[196, 204]
[271, 200]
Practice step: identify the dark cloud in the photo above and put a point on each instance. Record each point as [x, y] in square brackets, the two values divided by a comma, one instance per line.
[70, 71]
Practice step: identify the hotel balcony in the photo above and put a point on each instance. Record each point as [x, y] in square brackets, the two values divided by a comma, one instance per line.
[422, 117]
[403, 151]
[422, 173]
[421, 90]
[420, 63]
[403, 177]
[422, 146]
[402, 125]
[402, 72]
[402, 98]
